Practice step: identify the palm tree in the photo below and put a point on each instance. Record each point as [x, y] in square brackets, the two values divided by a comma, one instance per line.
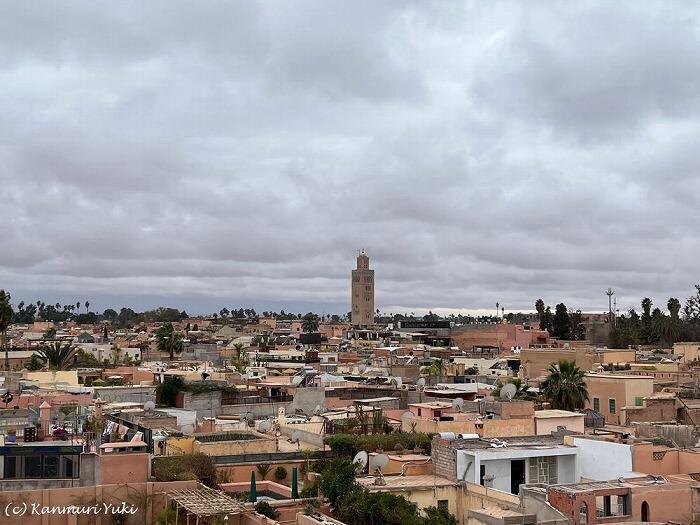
[6, 314]
[437, 368]
[169, 340]
[565, 386]
[522, 390]
[57, 355]
[309, 323]
[263, 469]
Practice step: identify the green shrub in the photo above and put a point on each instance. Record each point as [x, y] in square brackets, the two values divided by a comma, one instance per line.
[280, 473]
[264, 508]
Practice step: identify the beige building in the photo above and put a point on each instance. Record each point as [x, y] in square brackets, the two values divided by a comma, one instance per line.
[362, 292]
[609, 393]
[689, 351]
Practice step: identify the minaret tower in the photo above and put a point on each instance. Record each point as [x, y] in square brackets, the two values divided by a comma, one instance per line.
[362, 298]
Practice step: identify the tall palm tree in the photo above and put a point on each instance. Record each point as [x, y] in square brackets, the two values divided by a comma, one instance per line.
[57, 355]
[565, 386]
[6, 314]
[169, 340]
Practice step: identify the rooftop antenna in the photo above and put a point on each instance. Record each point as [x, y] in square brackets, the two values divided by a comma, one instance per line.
[609, 292]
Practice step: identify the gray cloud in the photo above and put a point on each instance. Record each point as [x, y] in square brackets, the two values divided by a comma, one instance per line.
[212, 154]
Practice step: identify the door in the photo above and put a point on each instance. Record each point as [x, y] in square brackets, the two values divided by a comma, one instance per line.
[645, 511]
[517, 475]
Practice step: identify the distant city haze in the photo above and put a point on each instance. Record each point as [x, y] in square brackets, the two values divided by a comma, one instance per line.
[203, 156]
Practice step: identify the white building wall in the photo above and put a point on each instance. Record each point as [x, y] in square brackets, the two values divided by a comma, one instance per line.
[603, 460]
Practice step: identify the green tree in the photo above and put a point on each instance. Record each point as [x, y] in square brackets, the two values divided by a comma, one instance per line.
[57, 355]
[691, 309]
[6, 314]
[561, 325]
[168, 340]
[565, 386]
[438, 516]
[309, 323]
[674, 308]
[337, 480]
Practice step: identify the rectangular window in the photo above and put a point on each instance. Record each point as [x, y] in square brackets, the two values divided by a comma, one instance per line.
[596, 404]
[612, 405]
[443, 504]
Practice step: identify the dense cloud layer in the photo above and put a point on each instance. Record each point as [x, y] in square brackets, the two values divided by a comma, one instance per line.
[238, 153]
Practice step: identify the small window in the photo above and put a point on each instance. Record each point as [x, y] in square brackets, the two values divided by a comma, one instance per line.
[596, 404]
[612, 406]
[443, 504]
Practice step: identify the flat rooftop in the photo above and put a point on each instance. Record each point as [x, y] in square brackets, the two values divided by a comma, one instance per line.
[398, 483]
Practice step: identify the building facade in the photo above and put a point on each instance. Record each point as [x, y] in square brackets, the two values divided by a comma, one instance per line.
[362, 299]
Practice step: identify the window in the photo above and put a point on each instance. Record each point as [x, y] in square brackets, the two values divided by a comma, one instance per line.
[596, 404]
[611, 405]
[443, 504]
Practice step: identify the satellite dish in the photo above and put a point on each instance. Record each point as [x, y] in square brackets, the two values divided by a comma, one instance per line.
[508, 391]
[149, 405]
[204, 376]
[378, 462]
[407, 415]
[296, 436]
[248, 417]
[265, 426]
[318, 410]
[457, 403]
[296, 380]
[360, 459]
[362, 368]
[396, 381]
[421, 382]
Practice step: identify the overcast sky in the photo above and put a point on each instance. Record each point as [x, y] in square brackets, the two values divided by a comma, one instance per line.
[207, 154]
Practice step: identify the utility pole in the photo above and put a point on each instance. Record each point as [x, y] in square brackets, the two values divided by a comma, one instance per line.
[497, 305]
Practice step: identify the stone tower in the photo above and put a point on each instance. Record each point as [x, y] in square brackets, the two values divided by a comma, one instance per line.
[362, 292]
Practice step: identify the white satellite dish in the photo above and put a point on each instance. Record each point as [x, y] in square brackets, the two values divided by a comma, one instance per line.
[362, 368]
[296, 380]
[248, 417]
[265, 426]
[296, 436]
[457, 404]
[421, 382]
[396, 381]
[407, 415]
[318, 410]
[378, 462]
[508, 391]
[149, 405]
[360, 460]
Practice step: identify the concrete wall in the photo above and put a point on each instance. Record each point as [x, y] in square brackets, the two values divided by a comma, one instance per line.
[126, 394]
[603, 460]
[485, 428]
[206, 404]
[259, 410]
[544, 426]
[307, 399]
[148, 498]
